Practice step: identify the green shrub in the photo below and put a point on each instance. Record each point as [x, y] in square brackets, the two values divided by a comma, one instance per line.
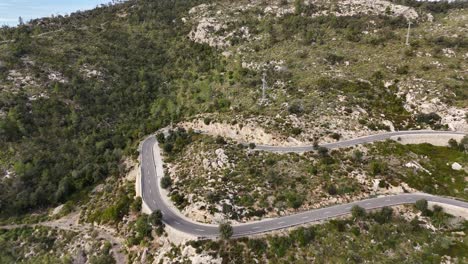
[142, 227]
[402, 70]
[430, 119]
[294, 200]
[296, 131]
[280, 245]
[296, 108]
[168, 147]
[357, 155]
[334, 58]
[257, 246]
[225, 231]
[383, 216]
[166, 182]
[303, 236]
[358, 212]
[160, 138]
[378, 167]
[335, 136]
[322, 151]
[422, 206]
[136, 204]
[220, 140]
[332, 190]
[207, 120]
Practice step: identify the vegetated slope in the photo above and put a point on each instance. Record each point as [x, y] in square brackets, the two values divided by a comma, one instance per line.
[75, 101]
[78, 93]
[338, 66]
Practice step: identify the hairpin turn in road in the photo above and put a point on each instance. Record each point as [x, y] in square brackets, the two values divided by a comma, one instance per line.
[152, 171]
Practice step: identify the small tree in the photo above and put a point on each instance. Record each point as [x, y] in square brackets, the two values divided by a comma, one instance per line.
[142, 227]
[358, 212]
[377, 167]
[335, 136]
[453, 143]
[322, 151]
[332, 189]
[136, 204]
[357, 155]
[421, 205]
[384, 215]
[168, 147]
[155, 218]
[166, 182]
[252, 145]
[464, 142]
[160, 138]
[225, 231]
[220, 140]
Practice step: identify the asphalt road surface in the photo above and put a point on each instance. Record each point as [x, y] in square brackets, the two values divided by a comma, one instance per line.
[153, 198]
[357, 141]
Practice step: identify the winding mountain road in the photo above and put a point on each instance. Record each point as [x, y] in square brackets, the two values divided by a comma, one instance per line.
[152, 171]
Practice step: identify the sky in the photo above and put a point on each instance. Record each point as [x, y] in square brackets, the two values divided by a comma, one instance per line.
[11, 10]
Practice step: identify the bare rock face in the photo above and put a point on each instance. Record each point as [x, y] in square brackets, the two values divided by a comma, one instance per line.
[57, 210]
[421, 96]
[373, 7]
[456, 166]
[212, 22]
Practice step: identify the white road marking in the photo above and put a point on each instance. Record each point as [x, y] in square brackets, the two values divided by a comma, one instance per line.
[149, 151]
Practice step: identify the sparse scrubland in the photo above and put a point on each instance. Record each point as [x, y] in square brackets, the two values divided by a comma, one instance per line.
[79, 93]
[214, 178]
[384, 236]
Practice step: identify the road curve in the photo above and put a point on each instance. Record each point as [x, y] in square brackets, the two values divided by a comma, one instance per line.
[360, 140]
[152, 172]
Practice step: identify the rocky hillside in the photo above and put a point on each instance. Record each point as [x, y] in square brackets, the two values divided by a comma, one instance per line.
[78, 93]
[336, 67]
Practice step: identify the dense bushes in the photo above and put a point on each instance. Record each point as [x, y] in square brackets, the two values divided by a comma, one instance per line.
[430, 118]
[77, 135]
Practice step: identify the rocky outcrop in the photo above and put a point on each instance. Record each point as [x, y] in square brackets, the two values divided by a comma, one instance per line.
[369, 7]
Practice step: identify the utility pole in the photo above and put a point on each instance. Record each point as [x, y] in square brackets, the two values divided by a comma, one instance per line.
[408, 34]
[264, 87]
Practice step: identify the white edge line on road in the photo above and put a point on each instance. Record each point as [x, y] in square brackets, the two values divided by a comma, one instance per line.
[352, 142]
